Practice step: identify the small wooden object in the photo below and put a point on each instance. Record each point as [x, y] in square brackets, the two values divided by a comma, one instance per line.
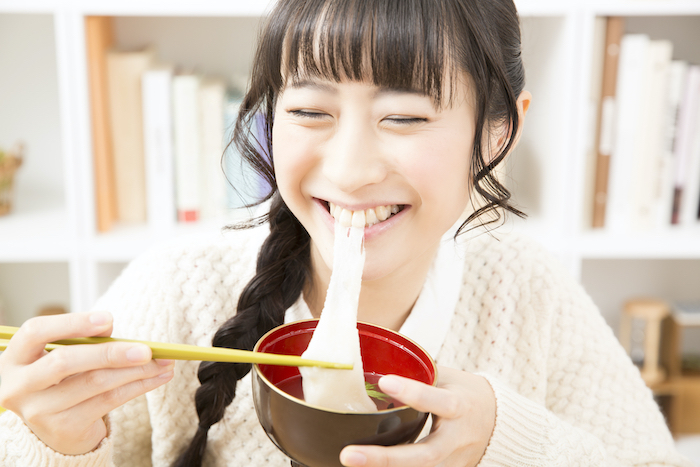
[652, 312]
[9, 163]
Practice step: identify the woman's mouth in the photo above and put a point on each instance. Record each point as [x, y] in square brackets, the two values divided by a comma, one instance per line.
[363, 218]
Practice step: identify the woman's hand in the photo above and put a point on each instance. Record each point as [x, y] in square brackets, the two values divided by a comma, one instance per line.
[464, 413]
[64, 394]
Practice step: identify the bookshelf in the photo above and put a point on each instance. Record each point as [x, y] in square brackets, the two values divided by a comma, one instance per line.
[52, 235]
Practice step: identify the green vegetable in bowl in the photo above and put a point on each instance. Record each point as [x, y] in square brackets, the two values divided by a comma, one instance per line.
[374, 392]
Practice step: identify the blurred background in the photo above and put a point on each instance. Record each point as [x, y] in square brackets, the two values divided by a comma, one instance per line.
[608, 168]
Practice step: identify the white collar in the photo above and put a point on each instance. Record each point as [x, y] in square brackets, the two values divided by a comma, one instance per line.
[429, 320]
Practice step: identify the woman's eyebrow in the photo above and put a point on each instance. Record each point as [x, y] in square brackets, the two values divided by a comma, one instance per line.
[312, 84]
[329, 88]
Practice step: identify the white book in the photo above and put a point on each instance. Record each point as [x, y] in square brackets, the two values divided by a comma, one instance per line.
[158, 147]
[187, 143]
[686, 141]
[678, 74]
[691, 191]
[646, 168]
[630, 85]
[211, 99]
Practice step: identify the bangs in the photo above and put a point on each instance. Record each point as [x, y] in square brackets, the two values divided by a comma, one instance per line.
[399, 44]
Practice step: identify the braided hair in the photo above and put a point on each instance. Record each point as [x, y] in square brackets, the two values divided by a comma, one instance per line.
[411, 44]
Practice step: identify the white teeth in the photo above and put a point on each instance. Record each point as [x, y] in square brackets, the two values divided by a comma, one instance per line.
[382, 213]
[371, 217]
[364, 218]
[345, 218]
[358, 219]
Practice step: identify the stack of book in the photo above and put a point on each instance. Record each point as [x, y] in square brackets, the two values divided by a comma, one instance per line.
[159, 135]
[647, 151]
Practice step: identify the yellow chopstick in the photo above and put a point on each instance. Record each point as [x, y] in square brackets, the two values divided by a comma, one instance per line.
[189, 352]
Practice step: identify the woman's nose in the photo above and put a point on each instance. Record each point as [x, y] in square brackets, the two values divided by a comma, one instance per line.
[353, 158]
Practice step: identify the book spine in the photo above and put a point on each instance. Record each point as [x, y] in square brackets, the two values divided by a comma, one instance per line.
[99, 39]
[211, 97]
[631, 81]
[606, 118]
[187, 147]
[158, 146]
[676, 81]
[687, 125]
[125, 70]
[647, 169]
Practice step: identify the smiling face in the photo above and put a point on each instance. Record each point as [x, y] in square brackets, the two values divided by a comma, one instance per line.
[358, 147]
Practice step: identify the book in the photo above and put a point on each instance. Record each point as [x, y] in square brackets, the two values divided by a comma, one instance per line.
[688, 209]
[124, 71]
[676, 81]
[187, 145]
[631, 83]
[212, 94]
[615, 28]
[594, 102]
[158, 148]
[99, 39]
[647, 170]
[685, 139]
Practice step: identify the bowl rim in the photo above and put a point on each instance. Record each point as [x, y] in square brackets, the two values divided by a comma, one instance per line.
[259, 373]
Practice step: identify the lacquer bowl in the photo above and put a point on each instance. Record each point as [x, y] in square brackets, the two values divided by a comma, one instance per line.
[313, 436]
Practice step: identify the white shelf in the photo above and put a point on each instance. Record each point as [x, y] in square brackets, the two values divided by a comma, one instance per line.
[670, 244]
[643, 7]
[217, 36]
[35, 236]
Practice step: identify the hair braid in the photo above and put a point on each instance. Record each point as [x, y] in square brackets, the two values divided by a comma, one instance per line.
[282, 270]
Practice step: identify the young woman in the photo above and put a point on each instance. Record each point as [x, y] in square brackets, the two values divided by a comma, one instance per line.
[400, 109]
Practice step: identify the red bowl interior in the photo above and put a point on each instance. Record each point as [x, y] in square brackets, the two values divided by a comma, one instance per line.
[383, 352]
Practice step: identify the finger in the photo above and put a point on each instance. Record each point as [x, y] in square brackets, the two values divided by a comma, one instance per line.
[420, 396]
[408, 455]
[27, 345]
[102, 404]
[70, 360]
[84, 386]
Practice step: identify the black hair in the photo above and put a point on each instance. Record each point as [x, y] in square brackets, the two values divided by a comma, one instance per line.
[424, 45]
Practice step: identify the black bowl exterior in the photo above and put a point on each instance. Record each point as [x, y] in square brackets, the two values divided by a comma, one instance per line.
[314, 437]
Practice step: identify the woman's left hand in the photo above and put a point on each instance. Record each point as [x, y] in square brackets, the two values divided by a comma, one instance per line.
[464, 413]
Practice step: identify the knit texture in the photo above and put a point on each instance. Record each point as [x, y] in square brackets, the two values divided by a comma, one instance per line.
[566, 392]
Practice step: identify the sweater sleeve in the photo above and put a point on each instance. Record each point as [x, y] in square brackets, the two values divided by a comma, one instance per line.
[597, 411]
[128, 441]
[21, 447]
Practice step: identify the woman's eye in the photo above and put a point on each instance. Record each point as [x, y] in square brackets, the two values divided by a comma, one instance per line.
[406, 120]
[307, 113]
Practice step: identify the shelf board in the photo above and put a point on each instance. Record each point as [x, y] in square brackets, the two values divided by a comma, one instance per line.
[643, 8]
[35, 236]
[126, 242]
[670, 244]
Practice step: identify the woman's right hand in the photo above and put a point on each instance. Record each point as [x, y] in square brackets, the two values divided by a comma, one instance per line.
[63, 395]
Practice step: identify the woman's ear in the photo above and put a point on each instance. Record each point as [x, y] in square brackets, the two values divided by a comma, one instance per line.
[497, 139]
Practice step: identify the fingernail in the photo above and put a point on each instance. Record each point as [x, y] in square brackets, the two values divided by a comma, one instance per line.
[391, 385]
[138, 353]
[100, 318]
[353, 458]
[167, 375]
[163, 362]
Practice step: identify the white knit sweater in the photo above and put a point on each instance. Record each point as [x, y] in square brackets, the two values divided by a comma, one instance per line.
[567, 394]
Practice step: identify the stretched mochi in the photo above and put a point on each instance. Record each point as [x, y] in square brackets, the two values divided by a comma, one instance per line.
[336, 338]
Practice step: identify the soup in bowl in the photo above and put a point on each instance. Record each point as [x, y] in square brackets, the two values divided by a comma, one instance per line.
[313, 436]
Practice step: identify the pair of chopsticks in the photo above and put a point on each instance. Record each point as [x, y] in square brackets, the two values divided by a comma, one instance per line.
[168, 351]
